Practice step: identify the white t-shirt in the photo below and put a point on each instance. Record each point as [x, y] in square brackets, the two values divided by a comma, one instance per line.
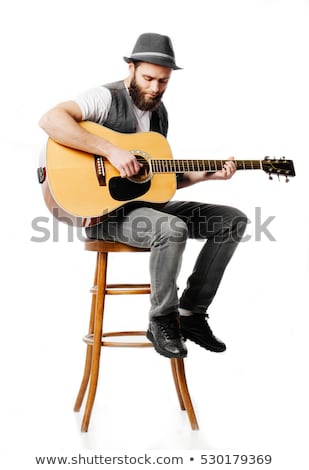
[95, 105]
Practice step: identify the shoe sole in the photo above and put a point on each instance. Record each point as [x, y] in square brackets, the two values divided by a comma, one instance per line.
[204, 346]
[164, 353]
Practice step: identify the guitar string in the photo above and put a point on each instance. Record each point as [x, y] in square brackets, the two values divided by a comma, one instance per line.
[165, 165]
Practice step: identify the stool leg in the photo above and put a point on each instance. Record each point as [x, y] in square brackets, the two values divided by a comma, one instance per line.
[175, 377]
[182, 383]
[99, 308]
[87, 369]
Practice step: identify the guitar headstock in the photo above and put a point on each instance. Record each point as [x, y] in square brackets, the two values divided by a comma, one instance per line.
[281, 166]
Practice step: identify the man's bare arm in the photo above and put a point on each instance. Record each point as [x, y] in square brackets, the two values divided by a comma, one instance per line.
[61, 123]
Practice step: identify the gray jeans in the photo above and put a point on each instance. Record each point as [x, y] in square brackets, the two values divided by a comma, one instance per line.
[165, 232]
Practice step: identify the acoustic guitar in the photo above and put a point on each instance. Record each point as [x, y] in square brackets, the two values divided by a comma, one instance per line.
[81, 189]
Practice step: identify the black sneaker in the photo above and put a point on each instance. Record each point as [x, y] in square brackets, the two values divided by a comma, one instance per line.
[195, 327]
[164, 333]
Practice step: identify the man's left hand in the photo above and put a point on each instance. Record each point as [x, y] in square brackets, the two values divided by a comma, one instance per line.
[228, 170]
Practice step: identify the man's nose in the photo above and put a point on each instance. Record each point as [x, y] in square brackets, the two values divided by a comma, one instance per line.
[154, 86]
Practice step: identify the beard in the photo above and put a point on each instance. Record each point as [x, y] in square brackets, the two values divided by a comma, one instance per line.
[139, 99]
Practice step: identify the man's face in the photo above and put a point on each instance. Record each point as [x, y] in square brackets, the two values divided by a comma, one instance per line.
[148, 84]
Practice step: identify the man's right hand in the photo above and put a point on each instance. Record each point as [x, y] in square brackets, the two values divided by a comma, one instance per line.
[125, 162]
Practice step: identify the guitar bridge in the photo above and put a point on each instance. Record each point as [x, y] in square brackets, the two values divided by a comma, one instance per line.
[100, 170]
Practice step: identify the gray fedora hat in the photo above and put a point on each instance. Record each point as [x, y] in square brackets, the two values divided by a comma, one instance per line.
[154, 48]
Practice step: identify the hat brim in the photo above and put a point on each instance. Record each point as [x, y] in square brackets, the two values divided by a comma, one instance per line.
[164, 62]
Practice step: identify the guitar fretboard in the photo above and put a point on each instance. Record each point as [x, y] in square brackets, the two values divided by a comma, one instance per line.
[181, 166]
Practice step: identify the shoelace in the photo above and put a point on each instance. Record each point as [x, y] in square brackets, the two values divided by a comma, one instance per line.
[171, 329]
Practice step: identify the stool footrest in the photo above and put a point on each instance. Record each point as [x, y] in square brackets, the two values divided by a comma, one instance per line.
[120, 344]
[124, 289]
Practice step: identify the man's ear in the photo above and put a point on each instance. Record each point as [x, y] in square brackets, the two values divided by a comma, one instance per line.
[131, 69]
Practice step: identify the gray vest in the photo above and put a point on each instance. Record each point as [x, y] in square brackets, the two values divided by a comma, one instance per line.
[121, 117]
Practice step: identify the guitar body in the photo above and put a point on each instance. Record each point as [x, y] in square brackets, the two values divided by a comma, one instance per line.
[81, 188]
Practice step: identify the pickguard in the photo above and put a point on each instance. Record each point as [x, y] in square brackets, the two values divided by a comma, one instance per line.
[121, 189]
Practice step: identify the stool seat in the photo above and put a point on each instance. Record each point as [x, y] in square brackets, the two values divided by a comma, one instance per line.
[98, 338]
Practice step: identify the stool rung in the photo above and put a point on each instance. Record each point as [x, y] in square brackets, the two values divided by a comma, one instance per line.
[124, 289]
[120, 344]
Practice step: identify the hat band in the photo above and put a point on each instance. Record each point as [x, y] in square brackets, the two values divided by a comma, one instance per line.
[157, 54]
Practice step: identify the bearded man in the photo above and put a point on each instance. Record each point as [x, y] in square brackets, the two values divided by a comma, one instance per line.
[135, 105]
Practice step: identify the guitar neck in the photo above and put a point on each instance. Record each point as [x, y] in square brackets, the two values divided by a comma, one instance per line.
[182, 166]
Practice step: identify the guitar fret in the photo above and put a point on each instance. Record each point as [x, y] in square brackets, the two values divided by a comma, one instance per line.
[212, 165]
[249, 164]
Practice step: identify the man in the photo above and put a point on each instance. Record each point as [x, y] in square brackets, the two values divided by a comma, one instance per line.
[135, 105]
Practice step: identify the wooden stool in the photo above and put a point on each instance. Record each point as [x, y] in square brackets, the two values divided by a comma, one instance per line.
[96, 337]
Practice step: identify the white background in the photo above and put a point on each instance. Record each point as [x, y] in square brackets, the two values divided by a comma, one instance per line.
[243, 92]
